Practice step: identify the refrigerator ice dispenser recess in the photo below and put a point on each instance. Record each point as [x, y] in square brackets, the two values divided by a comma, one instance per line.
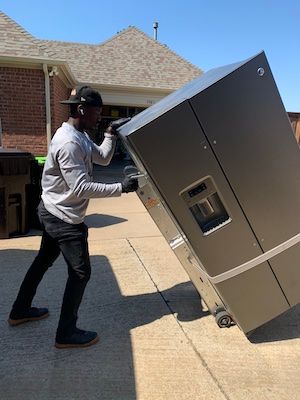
[206, 205]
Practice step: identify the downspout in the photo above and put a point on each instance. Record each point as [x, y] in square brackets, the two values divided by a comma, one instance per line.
[47, 102]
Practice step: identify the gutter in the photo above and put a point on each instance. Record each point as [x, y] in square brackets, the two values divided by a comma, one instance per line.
[47, 102]
[133, 89]
[36, 62]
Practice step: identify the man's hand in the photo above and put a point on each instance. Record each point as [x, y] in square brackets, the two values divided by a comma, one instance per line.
[129, 184]
[115, 125]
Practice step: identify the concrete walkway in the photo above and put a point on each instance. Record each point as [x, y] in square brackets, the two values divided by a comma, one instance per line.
[156, 341]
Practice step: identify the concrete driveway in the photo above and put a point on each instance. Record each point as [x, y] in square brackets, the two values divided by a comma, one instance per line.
[156, 341]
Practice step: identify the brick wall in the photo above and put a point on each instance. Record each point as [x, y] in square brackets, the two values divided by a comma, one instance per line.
[23, 109]
[59, 112]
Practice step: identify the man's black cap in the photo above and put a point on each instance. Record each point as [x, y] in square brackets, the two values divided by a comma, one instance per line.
[84, 95]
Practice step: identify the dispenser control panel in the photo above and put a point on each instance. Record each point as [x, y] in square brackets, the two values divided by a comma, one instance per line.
[198, 189]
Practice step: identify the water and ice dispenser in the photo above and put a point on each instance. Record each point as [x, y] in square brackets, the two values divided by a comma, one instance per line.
[205, 204]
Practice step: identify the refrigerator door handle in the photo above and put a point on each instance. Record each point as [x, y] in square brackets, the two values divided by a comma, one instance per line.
[255, 261]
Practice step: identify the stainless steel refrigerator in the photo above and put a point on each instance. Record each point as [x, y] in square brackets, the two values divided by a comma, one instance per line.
[221, 179]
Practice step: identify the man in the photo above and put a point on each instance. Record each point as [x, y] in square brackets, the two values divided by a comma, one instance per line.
[67, 187]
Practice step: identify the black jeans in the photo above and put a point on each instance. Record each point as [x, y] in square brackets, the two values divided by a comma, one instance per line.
[71, 240]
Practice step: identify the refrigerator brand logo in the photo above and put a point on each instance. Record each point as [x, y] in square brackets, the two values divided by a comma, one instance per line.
[151, 203]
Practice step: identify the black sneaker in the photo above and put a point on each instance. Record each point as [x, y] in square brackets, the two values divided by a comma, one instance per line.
[79, 338]
[32, 314]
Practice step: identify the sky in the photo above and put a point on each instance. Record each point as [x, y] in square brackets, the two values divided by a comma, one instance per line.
[208, 34]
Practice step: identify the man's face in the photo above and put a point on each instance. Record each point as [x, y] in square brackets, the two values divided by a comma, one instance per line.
[91, 116]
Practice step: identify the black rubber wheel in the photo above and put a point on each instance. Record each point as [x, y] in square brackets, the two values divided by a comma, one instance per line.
[223, 319]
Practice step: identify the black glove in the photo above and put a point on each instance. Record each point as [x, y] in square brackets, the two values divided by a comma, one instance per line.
[129, 184]
[115, 125]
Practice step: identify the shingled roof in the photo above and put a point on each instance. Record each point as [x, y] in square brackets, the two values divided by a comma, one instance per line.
[130, 58]
[16, 42]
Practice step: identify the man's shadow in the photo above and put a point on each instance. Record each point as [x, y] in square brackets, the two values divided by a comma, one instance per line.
[102, 220]
[104, 371]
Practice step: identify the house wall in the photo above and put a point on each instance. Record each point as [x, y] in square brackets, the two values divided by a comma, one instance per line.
[23, 110]
[59, 112]
[295, 121]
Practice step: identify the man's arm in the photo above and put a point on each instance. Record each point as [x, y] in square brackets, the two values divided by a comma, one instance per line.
[103, 154]
[75, 173]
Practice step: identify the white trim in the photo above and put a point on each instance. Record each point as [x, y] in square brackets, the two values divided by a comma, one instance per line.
[48, 104]
[37, 63]
[131, 98]
[126, 88]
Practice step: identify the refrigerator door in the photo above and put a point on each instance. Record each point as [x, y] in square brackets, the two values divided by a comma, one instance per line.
[253, 141]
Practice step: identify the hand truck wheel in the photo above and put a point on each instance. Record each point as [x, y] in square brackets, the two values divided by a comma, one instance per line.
[223, 319]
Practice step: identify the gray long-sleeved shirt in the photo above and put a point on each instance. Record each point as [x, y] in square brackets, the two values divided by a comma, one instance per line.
[67, 177]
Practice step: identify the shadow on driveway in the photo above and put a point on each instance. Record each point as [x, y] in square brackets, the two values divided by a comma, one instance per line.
[284, 327]
[102, 220]
[31, 368]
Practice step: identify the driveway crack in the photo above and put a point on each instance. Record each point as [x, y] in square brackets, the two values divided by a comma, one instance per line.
[189, 340]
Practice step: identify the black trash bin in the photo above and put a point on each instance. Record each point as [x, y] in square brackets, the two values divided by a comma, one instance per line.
[33, 193]
[14, 177]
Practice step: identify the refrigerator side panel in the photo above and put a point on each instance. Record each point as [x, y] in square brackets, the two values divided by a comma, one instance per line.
[167, 225]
